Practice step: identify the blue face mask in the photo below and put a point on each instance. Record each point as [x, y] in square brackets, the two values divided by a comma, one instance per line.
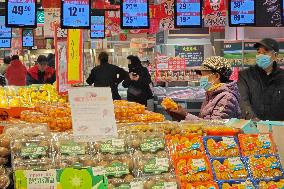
[263, 61]
[204, 83]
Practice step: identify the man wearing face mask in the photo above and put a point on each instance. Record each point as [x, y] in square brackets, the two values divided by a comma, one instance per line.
[262, 86]
[41, 73]
[222, 95]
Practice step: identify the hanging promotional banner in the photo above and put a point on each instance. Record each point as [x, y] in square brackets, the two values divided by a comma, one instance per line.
[214, 12]
[74, 56]
[61, 64]
[51, 17]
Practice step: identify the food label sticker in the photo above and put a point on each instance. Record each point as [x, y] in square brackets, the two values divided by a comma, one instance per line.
[118, 142]
[72, 148]
[236, 162]
[100, 170]
[136, 185]
[41, 179]
[265, 139]
[152, 144]
[230, 142]
[170, 185]
[34, 151]
[157, 165]
[123, 186]
[117, 169]
[199, 165]
[163, 162]
[109, 147]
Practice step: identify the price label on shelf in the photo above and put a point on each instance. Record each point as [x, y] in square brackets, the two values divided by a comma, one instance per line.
[21, 12]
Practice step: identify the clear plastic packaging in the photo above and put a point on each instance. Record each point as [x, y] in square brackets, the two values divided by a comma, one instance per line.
[238, 184]
[191, 127]
[128, 183]
[222, 146]
[265, 167]
[32, 153]
[258, 144]
[232, 168]
[182, 146]
[193, 169]
[199, 185]
[114, 146]
[23, 130]
[166, 181]
[151, 164]
[71, 152]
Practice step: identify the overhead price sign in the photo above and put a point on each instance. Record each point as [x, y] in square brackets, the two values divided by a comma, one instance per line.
[4, 31]
[21, 13]
[241, 12]
[5, 43]
[134, 14]
[75, 14]
[97, 27]
[188, 13]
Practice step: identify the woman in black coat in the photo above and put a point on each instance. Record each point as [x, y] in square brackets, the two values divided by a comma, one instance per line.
[138, 82]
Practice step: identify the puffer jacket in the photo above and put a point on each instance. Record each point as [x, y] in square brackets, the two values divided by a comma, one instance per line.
[221, 103]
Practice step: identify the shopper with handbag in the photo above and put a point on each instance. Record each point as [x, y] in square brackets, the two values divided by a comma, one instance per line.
[138, 82]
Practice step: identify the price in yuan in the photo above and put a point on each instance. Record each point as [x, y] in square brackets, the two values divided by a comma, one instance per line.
[238, 4]
[20, 9]
[73, 11]
[130, 20]
[129, 6]
[184, 19]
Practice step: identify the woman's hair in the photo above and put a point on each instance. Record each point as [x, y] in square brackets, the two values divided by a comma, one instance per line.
[223, 78]
[134, 60]
[103, 57]
[7, 60]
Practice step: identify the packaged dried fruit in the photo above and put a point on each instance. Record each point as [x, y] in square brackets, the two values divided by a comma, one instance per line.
[184, 146]
[151, 164]
[237, 184]
[270, 184]
[265, 167]
[166, 181]
[20, 130]
[258, 144]
[222, 146]
[32, 153]
[191, 127]
[71, 152]
[231, 168]
[169, 104]
[193, 169]
[146, 143]
[111, 146]
[127, 183]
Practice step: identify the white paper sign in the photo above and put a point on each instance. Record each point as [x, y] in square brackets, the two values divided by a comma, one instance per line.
[92, 113]
[41, 179]
[51, 17]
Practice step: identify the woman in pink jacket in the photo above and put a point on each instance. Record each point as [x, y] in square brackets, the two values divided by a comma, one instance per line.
[222, 95]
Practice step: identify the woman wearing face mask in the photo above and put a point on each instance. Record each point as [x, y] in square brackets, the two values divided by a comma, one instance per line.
[222, 95]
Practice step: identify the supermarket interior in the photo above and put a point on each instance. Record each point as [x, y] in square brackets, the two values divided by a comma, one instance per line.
[141, 94]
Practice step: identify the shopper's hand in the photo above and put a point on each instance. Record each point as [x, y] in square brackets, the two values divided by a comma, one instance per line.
[178, 114]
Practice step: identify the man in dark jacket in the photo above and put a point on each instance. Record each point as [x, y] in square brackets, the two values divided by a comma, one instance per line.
[41, 73]
[262, 86]
[107, 75]
[138, 82]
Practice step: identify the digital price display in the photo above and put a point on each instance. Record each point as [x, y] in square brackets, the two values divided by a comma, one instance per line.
[188, 13]
[28, 38]
[134, 14]
[4, 31]
[21, 13]
[241, 12]
[75, 14]
[5, 43]
[97, 30]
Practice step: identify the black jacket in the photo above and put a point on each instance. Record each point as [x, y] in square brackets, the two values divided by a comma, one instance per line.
[142, 85]
[107, 75]
[262, 95]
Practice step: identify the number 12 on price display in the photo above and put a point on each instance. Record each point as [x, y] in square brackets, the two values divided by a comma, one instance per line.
[75, 14]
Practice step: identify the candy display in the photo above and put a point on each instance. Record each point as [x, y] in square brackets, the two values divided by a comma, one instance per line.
[261, 144]
[200, 185]
[229, 168]
[226, 146]
[265, 167]
[169, 104]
